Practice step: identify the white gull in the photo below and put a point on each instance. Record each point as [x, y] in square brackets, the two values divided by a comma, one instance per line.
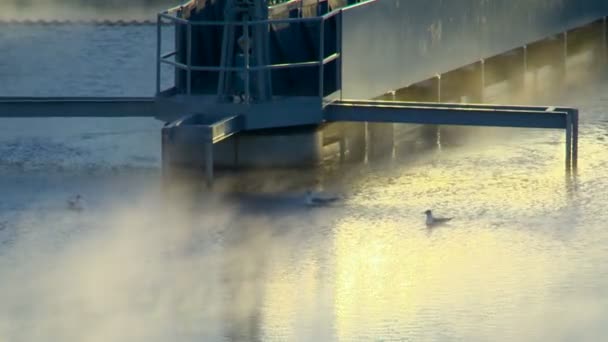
[432, 221]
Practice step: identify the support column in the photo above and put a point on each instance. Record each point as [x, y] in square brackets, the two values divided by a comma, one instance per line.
[575, 139]
[604, 45]
[165, 162]
[209, 164]
[430, 133]
[569, 141]
[563, 63]
[482, 80]
[380, 140]
[524, 75]
[354, 134]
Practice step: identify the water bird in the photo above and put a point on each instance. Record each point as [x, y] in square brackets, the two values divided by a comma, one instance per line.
[76, 203]
[432, 221]
[318, 199]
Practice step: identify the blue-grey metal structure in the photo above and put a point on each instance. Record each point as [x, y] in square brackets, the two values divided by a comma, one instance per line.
[244, 66]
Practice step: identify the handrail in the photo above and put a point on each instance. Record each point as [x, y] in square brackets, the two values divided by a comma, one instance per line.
[320, 61]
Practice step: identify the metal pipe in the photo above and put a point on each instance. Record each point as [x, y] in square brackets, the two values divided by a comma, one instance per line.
[525, 47]
[175, 64]
[247, 79]
[438, 87]
[339, 53]
[169, 54]
[189, 59]
[173, 19]
[321, 56]
[260, 22]
[482, 86]
[565, 56]
[331, 58]
[331, 14]
[251, 68]
[568, 141]
[575, 139]
[158, 52]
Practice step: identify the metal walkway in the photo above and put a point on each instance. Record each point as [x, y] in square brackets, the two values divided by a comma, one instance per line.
[464, 115]
[23, 107]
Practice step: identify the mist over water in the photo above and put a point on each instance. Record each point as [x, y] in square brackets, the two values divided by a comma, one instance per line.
[525, 258]
[83, 9]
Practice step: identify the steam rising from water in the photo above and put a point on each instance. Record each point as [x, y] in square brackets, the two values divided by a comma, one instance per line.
[524, 260]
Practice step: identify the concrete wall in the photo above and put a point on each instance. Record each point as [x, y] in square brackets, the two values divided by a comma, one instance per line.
[389, 44]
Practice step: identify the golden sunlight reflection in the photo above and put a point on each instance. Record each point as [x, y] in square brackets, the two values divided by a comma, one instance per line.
[388, 278]
[488, 174]
[296, 302]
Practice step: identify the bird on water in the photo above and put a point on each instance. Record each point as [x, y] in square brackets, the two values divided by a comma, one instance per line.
[432, 221]
[316, 199]
[76, 203]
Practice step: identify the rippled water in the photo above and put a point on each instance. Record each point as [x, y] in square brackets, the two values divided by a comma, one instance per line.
[525, 259]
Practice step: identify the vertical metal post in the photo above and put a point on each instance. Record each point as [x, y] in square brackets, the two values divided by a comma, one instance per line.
[189, 58]
[158, 51]
[525, 47]
[568, 141]
[438, 87]
[338, 19]
[524, 75]
[247, 47]
[209, 163]
[321, 54]
[482, 85]
[565, 58]
[575, 139]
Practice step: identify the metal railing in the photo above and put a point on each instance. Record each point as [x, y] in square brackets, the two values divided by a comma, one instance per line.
[188, 67]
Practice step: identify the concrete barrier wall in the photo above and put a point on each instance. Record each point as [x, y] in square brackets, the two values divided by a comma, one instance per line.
[389, 44]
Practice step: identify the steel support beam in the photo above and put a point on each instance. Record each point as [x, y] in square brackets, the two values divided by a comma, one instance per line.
[198, 130]
[462, 115]
[445, 115]
[21, 107]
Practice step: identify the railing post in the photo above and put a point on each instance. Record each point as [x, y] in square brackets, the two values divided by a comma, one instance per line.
[575, 139]
[569, 140]
[158, 51]
[525, 54]
[321, 55]
[564, 64]
[247, 47]
[338, 19]
[482, 85]
[438, 77]
[189, 58]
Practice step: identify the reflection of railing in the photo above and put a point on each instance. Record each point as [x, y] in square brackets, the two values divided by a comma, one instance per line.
[188, 67]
